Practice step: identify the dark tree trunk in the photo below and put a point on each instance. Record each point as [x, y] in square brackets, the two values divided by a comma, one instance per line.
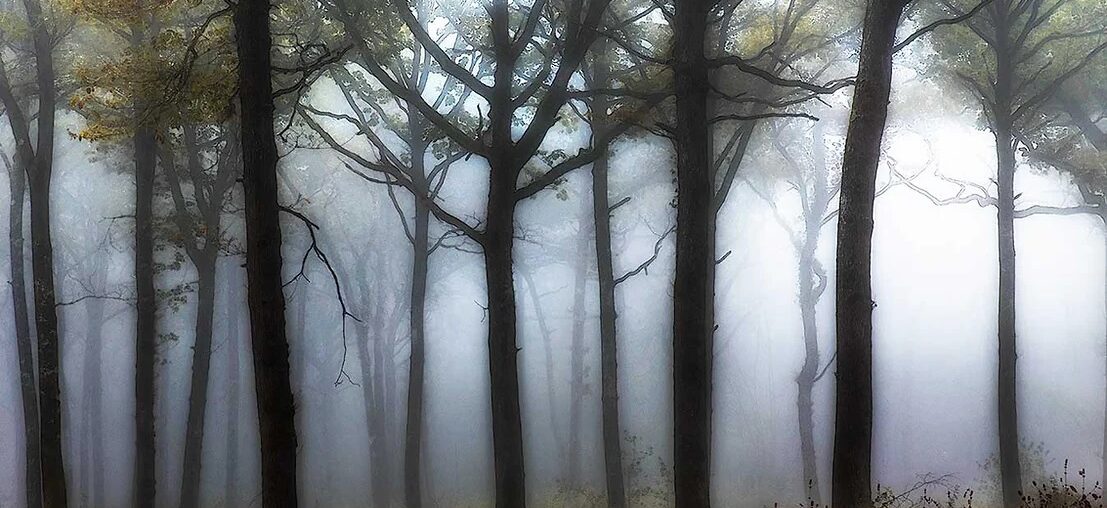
[42, 268]
[146, 337]
[276, 408]
[1010, 468]
[609, 357]
[1003, 128]
[201, 367]
[498, 243]
[695, 261]
[851, 478]
[413, 435]
[24, 345]
[233, 297]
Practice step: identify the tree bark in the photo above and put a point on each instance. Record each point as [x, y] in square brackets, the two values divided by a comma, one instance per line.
[851, 478]
[276, 408]
[695, 261]
[146, 337]
[498, 244]
[17, 184]
[1003, 128]
[198, 386]
[1010, 468]
[609, 357]
[42, 266]
[413, 435]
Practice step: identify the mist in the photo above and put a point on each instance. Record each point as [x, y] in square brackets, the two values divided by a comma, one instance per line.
[589, 253]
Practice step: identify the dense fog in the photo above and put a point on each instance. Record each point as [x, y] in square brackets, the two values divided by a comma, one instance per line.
[580, 253]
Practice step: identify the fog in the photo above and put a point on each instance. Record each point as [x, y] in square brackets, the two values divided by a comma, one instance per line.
[362, 150]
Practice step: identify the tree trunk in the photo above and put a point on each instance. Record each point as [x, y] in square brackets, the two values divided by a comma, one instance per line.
[695, 262]
[413, 435]
[609, 357]
[805, 382]
[1003, 128]
[577, 382]
[851, 478]
[42, 268]
[231, 306]
[28, 390]
[146, 337]
[201, 366]
[498, 243]
[1010, 469]
[276, 408]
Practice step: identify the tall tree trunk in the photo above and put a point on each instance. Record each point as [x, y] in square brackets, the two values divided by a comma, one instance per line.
[805, 381]
[851, 478]
[577, 382]
[276, 408]
[198, 386]
[1103, 449]
[498, 244]
[231, 306]
[32, 476]
[413, 435]
[146, 337]
[1003, 128]
[609, 357]
[695, 261]
[1010, 468]
[42, 267]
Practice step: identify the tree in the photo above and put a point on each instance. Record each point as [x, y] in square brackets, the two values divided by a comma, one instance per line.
[1018, 41]
[37, 160]
[851, 479]
[17, 184]
[276, 409]
[507, 157]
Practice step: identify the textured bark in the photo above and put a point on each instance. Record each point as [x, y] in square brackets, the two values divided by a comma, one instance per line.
[695, 261]
[498, 244]
[851, 478]
[198, 385]
[276, 408]
[17, 184]
[42, 267]
[146, 337]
